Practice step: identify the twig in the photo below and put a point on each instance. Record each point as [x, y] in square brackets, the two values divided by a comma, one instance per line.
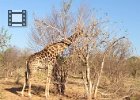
[109, 93]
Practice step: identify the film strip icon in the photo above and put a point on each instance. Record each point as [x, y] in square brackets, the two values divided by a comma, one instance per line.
[16, 17]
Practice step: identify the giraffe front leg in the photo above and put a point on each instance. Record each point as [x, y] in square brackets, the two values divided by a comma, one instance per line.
[29, 91]
[47, 87]
[48, 81]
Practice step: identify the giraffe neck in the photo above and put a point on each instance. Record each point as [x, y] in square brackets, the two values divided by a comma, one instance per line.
[72, 38]
[56, 48]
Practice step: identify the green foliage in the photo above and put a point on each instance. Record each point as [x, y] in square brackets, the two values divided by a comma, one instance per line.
[4, 38]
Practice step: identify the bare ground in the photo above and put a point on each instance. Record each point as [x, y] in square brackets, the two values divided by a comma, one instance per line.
[9, 90]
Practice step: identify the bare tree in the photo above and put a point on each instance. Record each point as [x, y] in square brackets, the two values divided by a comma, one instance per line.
[4, 42]
[53, 29]
[107, 48]
[13, 63]
[9, 60]
[96, 50]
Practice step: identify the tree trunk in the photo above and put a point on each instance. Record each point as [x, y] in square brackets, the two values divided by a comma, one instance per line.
[59, 77]
[99, 77]
[87, 80]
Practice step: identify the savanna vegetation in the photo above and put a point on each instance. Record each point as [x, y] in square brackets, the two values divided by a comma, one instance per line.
[98, 65]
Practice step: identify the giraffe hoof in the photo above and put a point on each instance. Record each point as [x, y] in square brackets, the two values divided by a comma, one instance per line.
[29, 94]
[47, 98]
[22, 94]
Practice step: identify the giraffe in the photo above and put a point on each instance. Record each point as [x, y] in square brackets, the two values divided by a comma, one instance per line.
[46, 59]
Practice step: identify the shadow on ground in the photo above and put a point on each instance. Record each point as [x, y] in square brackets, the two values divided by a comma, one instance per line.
[14, 90]
[37, 90]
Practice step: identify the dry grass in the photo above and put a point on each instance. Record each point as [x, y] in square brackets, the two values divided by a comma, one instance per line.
[9, 90]
[74, 90]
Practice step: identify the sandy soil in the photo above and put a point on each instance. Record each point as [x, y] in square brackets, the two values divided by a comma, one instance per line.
[9, 90]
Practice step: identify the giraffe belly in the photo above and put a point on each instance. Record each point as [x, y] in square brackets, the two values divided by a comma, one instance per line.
[39, 64]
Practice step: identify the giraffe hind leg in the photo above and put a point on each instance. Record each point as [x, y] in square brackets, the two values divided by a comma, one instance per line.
[25, 83]
[30, 77]
[22, 92]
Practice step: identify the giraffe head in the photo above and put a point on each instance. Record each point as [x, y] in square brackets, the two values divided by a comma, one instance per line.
[67, 41]
[77, 33]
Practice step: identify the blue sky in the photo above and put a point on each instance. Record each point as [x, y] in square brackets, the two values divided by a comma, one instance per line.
[124, 12]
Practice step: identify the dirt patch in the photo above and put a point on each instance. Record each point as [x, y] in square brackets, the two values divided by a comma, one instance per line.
[9, 90]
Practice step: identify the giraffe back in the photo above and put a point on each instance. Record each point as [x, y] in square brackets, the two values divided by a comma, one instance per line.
[41, 59]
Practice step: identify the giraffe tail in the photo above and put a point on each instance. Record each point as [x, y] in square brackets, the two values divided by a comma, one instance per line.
[27, 72]
[26, 77]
